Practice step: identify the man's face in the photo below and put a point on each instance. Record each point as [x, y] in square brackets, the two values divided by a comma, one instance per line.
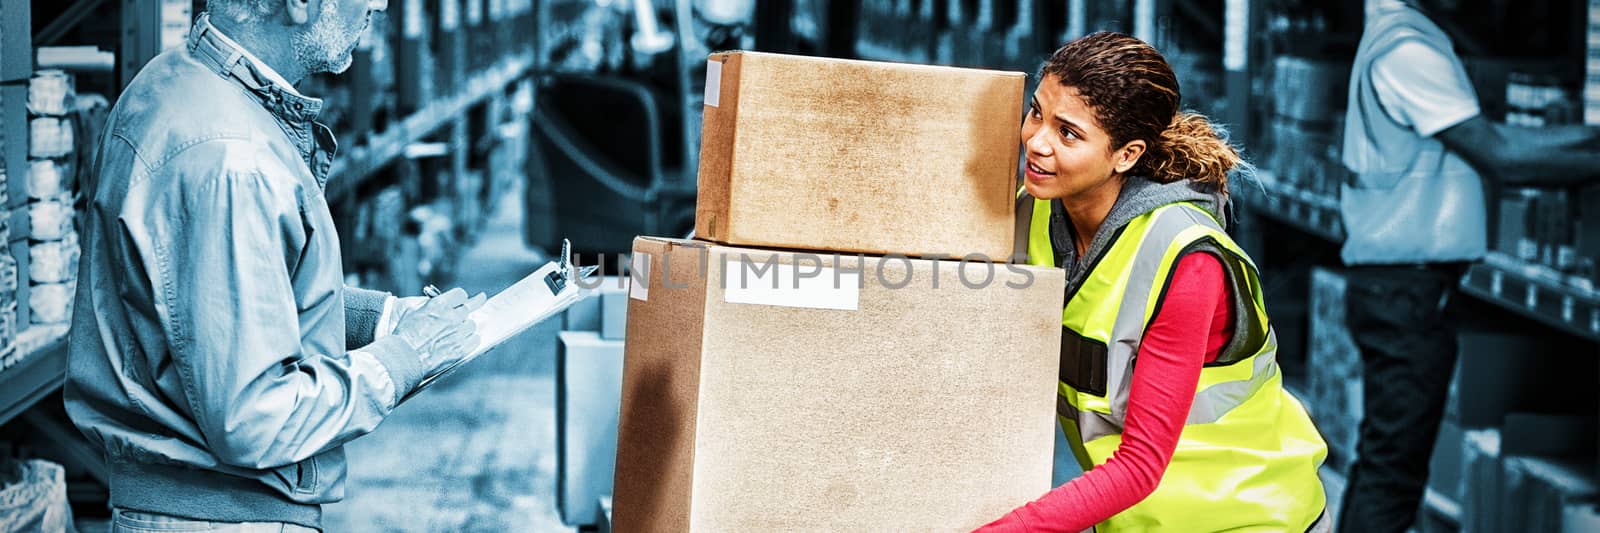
[326, 41]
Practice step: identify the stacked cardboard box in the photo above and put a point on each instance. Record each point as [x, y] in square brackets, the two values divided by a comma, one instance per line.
[1335, 391]
[801, 389]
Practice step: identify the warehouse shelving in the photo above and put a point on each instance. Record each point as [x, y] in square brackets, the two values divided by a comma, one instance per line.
[1314, 213]
[40, 370]
[361, 162]
[1535, 291]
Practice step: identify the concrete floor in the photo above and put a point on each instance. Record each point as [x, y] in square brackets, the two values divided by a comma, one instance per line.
[475, 452]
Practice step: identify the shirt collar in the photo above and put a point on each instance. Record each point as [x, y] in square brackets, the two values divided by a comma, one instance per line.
[222, 55]
[261, 66]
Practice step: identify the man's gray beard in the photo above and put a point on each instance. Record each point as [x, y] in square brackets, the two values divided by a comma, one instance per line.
[322, 47]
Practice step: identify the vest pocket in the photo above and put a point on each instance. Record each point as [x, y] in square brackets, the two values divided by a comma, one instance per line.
[1083, 362]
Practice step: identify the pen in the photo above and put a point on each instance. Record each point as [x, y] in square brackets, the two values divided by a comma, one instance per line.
[431, 291]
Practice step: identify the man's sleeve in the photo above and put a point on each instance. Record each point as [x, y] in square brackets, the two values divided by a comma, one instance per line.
[365, 314]
[1423, 87]
[219, 230]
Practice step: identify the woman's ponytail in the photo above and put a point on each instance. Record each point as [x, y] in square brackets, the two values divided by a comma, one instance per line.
[1190, 148]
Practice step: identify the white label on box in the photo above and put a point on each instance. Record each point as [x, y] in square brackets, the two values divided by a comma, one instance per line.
[639, 277]
[817, 287]
[713, 83]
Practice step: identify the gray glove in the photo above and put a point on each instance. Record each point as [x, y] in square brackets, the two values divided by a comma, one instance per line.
[439, 329]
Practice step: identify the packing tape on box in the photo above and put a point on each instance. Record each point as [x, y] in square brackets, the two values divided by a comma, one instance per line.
[47, 178]
[53, 261]
[50, 219]
[51, 303]
[49, 137]
[50, 93]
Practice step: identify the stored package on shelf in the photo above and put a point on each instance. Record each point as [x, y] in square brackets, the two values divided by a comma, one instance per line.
[53, 261]
[1538, 489]
[1514, 236]
[1481, 497]
[1539, 100]
[50, 219]
[50, 93]
[1307, 89]
[1586, 236]
[49, 137]
[51, 303]
[48, 178]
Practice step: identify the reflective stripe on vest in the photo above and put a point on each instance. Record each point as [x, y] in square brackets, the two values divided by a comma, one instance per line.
[1244, 434]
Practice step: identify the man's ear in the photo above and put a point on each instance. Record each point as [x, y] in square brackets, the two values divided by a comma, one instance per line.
[298, 11]
[1128, 155]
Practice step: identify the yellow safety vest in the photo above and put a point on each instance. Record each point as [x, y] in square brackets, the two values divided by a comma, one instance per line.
[1248, 456]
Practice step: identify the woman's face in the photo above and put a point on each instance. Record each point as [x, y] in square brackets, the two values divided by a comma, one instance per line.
[1068, 155]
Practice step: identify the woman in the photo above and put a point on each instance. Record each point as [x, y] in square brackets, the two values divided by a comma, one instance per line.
[1129, 195]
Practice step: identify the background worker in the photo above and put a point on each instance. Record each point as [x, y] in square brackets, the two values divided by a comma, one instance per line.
[1416, 214]
[216, 358]
[1130, 197]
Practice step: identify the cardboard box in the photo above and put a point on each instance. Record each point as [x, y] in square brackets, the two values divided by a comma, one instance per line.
[590, 382]
[878, 158]
[877, 394]
[1481, 495]
[1539, 488]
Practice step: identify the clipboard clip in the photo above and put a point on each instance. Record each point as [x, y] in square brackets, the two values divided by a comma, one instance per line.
[565, 271]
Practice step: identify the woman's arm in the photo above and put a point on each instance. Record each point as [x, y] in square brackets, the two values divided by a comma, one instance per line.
[1163, 385]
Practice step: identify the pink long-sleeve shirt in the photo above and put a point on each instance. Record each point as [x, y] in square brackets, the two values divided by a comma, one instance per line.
[1192, 327]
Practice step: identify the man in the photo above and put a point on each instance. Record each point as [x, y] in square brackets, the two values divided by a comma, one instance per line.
[1415, 216]
[216, 356]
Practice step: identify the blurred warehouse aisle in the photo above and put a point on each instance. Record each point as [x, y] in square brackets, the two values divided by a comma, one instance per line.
[477, 451]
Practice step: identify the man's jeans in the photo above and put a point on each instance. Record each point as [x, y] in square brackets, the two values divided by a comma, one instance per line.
[136, 522]
[1398, 317]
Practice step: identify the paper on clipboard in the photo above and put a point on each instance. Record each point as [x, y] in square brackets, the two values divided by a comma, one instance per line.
[547, 291]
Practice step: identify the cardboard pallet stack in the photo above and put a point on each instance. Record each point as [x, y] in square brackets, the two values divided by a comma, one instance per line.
[799, 369]
[53, 237]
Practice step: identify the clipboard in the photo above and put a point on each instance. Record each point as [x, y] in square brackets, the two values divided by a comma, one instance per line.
[548, 290]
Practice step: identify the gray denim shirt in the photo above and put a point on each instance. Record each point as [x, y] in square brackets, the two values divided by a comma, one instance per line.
[211, 348]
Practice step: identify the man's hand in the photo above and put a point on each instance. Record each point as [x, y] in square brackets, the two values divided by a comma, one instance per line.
[438, 328]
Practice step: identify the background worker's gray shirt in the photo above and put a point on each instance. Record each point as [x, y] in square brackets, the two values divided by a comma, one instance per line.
[211, 328]
[1413, 200]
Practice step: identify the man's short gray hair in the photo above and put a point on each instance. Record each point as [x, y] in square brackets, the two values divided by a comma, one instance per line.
[242, 10]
